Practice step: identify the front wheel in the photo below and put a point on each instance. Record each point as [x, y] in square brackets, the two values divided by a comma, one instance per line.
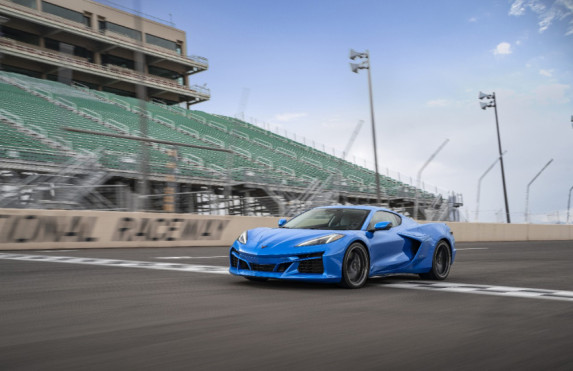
[355, 267]
[441, 263]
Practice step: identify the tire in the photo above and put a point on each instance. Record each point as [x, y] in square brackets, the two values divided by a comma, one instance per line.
[441, 263]
[256, 279]
[355, 267]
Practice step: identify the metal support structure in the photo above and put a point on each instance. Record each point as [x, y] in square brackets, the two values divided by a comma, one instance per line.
[141, 94]
[479, 184]
[493, 103]
[527, 191]
[569, 200]
[352, 139]
[145, 139]
[366, 65]
[169, 204]
[419, 177]
[171, 189]
[2, 21]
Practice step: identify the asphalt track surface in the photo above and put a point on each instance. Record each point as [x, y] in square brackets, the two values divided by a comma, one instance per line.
[68, 316]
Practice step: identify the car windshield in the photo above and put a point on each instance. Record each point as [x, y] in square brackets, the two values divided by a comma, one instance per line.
[329, 219]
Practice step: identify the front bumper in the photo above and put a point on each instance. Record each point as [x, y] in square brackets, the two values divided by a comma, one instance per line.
[322, 266]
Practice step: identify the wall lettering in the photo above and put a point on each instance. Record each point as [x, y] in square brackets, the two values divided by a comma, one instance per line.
[46, 228]
[165, 229]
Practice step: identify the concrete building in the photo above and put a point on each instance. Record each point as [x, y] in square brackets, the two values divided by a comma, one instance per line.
[101, 47]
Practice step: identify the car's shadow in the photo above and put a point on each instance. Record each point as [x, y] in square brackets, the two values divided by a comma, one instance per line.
[272, 284]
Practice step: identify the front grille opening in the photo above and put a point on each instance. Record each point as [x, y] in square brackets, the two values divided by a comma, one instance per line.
[283, 267]
[243, 264]
[313, 255]
[311, 266]
[263, 267]
[234, 261]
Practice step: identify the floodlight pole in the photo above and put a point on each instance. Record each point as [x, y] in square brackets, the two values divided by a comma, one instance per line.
[479, 184]
[493, 103]
[569, 203]
[507, 216]
[527, 191]
[366, 65]
[378, 198]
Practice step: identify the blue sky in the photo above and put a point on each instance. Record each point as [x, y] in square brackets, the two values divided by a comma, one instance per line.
[429, 61]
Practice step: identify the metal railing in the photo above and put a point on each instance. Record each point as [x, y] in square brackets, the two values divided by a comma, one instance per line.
[20, 49]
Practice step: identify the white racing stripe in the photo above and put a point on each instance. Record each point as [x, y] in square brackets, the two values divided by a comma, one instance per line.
[119, 263]
[519, 292]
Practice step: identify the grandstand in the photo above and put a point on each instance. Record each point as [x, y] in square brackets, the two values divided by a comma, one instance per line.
[225, 165]
[265, 172]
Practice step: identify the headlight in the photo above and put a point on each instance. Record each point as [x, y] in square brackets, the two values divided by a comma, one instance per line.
[243, 238]
[322, 240]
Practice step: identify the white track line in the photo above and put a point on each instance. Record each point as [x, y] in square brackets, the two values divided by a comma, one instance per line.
[519, 292]
[189, 257]
[516, 292]
[119, 263]
[55, 250]
[473, 248]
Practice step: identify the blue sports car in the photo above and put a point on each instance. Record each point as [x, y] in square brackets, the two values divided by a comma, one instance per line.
[344, 245]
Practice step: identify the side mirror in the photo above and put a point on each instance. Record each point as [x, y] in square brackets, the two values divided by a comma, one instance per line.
[382, 226]
[282, 222]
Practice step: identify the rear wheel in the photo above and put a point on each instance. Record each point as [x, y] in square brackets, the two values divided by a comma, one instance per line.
[355, 267]
[441, 263]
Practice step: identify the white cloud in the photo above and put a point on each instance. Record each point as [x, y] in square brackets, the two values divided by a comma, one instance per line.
[559, 10]
[472, 19]
[548, 73]
[286, 117]
[519, 6]
[437, 103]
[502, 48]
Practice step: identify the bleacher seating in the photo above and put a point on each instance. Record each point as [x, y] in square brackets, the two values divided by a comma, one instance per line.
[46, 107]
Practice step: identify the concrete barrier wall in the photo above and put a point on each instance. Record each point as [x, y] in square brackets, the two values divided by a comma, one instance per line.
[481, 232]
[59, 229]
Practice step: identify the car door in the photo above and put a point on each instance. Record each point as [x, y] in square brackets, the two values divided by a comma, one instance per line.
[386, 247]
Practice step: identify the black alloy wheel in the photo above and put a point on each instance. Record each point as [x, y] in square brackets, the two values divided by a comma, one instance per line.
[355, 267]
[441, 263]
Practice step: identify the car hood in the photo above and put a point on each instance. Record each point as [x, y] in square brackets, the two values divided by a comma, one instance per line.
[274, 241]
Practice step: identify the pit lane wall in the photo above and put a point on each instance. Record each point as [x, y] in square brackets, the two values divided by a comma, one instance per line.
[60, 229]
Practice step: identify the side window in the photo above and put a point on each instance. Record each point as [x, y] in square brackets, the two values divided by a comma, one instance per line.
[397, 220]
[384, 216]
